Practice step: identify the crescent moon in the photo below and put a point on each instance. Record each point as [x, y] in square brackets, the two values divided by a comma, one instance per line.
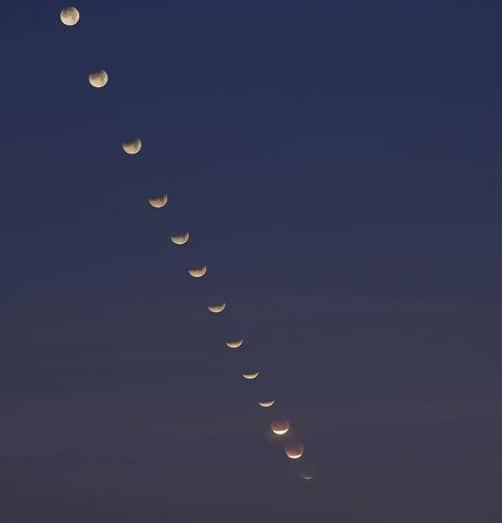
[133, 146]
[216, 309]
[234, 344]
[98, 79]
[69, 16]
[279, 428]
[307, 477]
[250, 375]
[180, 239]
[198, 272]
[159, 202]
[294, 451]
[266, 404]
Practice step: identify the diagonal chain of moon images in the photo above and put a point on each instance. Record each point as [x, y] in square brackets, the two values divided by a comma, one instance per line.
[280, 429]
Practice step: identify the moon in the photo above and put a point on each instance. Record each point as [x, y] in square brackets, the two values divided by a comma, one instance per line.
[307, 477]
[279, 428]
[198, 272]
[159, 202]
[69, 16]
[234, 344]
[98, 79]
[180, 239]
[216, 309]
[133, 146]
[266, 404]
[250, 375]
[294, 450]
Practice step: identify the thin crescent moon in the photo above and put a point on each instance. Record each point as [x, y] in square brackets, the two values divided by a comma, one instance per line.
[198, 272]
[216, 309]
[266, 404]
[98, 79]
[250, 375]
[133, 146]
[69, 16]
[180, 239]
[159, 202]
[307, 477]
[234, 344]
[294, 451]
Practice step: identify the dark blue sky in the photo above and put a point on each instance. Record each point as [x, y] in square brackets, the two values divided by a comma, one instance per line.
[338, 165]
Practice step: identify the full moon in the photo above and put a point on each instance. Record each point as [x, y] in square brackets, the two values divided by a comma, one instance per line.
[98, 79]
[159, 202]
[69, 16]
[133, 146]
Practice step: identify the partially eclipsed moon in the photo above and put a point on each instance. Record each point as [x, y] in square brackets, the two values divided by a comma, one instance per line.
[266, 404]
[198, 272]
[216, 309]
[294, 450]
[250, 375]
[159, 202]
[133, 146]
[69, 16]
[234, 344]
[279, 428]
[180, 239]
[98, 79]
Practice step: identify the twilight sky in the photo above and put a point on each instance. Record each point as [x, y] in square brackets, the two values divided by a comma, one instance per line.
[338, 165]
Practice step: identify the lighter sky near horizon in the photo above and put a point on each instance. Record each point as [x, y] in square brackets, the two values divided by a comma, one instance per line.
[338, 168]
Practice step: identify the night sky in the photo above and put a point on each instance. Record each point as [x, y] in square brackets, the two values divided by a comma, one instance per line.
[338, 165]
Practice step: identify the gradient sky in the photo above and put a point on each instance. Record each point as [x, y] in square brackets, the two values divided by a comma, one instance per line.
[339, 167]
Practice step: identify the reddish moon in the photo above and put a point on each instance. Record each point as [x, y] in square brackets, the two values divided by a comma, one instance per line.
[280, 428]
[294, 450]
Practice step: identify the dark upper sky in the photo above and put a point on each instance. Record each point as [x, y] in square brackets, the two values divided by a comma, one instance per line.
[338, 164]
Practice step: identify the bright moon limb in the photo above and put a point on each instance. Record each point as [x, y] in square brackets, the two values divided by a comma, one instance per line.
[216, 309]
[132, 146]
[158, 202]
[294, 451]
[180, 239]
[279, 428]
[198, 272]
[250, 375]
[234, 344]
